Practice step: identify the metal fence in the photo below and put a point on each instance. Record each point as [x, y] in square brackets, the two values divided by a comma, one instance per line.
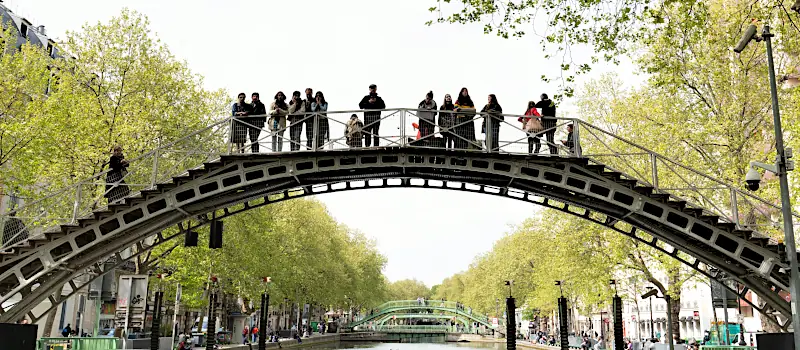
[78, 344]
[465, 130]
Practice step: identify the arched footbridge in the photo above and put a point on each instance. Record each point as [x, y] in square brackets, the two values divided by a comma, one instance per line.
[391, 311]
[66, 237]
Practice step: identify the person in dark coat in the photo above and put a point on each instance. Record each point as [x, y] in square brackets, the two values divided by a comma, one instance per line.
[296, 108]
[116, 189]
[372, 120]
[493, 112]
[257, 121]
[239, 110]
[570, 141]
[446, 121]
[548, 121]
[465, 125]
[309, 118]
[427, 118]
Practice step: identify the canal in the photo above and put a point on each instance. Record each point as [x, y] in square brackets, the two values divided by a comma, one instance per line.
[411, 346]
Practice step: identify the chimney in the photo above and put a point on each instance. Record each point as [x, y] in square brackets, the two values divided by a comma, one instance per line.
[39, 28]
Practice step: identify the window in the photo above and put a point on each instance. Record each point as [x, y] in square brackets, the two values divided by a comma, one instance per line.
[23, 30]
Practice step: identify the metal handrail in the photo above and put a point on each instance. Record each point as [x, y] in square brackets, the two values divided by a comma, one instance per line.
[40, 216]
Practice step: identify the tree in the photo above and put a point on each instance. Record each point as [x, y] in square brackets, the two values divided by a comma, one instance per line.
[713, 105]
[308, 255]
[610, 29]
[121, 86]
[408, 289]
[24, 79]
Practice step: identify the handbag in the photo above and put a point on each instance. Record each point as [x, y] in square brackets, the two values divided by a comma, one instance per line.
[534, 125]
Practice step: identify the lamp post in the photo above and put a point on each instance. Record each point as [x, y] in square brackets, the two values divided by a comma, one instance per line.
[781, 168]
[654, 293]
[649, 295]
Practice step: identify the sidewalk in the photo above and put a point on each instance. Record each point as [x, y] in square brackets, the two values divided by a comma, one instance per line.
[284, 342]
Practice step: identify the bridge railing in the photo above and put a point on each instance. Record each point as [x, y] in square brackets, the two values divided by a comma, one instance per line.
[426, 304]
[466, 130]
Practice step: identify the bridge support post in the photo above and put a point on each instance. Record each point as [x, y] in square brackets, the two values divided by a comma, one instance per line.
[155, 329]
[617, 306]
[211, 332]
[562, 322]
[511, 324]
[263, 319]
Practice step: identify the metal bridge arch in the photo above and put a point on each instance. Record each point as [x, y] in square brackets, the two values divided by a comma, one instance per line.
[391, 308]
[241, 182]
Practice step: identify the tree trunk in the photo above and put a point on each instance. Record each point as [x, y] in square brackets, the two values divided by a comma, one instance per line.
[48, 323]
[675, 310]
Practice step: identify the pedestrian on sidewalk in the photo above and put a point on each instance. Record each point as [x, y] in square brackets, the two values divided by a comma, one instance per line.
[245, 334]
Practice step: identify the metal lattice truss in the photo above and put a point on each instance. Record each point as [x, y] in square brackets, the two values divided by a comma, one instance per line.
[697, 228]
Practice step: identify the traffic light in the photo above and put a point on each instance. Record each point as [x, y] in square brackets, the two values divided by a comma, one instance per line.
[215, 239]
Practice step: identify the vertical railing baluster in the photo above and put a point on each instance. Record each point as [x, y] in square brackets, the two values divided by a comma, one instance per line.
[654, 166]
[77, 203]
[735, 208]
[154, 175]
[403, 139]
[314, 143]
[487, 122]
[576, 138]
[230, 135]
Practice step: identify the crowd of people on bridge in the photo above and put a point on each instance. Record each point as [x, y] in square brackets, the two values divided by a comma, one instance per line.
[455, 122]
[455, 125]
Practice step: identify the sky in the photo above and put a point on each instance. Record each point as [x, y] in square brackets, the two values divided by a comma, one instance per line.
[341, 47]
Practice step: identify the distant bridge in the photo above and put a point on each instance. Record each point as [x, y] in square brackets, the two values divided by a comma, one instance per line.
[427, 309]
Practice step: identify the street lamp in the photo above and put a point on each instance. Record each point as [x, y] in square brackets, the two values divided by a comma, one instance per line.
[781, 167]
[654, 293]
[649, 295]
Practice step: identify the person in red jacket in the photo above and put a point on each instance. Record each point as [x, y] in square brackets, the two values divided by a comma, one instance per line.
[245, 334]
[532, 124]
[254, 330]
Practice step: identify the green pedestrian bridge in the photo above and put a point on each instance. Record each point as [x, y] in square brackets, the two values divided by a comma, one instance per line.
[439, 315]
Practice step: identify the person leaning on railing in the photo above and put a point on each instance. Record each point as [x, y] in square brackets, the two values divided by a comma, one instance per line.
[259, 112]
[277, 120]
[427, 118]
[238, 129]
[493, 112]
[549, 121]
[446, 121]
[372, 120]
[532, 125]
[296, 107]
[320, 109]
[116, 189]
[465, 131]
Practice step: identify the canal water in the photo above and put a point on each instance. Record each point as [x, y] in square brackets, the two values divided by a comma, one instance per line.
[412, 346]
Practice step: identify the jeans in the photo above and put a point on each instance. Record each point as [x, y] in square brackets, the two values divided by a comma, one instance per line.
[277, 141]
[295, 129]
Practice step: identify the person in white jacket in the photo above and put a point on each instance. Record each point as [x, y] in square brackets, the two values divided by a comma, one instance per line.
[277, 120]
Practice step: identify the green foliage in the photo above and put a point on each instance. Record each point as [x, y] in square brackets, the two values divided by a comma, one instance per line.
[122, 86]
[408, 289]
[609, 27]
[307, 254]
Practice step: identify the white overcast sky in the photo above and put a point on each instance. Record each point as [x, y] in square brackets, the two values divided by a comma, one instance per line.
[340, 47]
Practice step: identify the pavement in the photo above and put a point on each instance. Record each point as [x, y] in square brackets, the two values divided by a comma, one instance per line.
[255, 344]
